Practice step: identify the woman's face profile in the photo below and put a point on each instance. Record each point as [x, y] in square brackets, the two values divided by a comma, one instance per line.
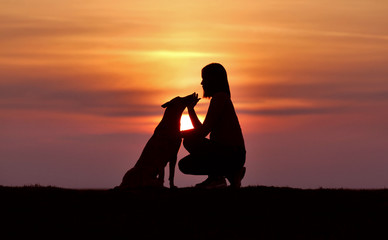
[203, 82]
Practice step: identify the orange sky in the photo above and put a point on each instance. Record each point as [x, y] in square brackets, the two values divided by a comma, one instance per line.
[81, 84]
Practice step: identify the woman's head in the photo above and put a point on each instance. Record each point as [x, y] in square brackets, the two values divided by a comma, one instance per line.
[214, 79]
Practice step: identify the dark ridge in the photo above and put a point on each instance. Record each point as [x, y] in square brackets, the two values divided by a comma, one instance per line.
[188, 213]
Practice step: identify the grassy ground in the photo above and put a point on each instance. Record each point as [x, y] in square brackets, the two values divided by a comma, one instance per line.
[247, 213]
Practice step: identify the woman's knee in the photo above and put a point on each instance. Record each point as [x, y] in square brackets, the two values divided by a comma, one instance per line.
[189, 144]
[183, 165]
[190, 164]
[197, 145]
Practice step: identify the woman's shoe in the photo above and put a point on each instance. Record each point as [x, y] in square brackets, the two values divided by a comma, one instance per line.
[212, 183]
[235, 179]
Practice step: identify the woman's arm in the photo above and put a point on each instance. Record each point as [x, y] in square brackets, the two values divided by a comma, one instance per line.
[196, 124]
[194, 118]
[212, 117]
[193, 115]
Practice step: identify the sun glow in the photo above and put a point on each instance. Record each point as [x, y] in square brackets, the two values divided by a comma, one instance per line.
[186, 122]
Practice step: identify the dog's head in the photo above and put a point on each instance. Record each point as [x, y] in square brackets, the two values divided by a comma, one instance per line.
[174, 109]
[179, 103]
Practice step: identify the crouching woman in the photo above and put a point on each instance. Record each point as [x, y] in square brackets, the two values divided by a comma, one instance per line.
[222, 155]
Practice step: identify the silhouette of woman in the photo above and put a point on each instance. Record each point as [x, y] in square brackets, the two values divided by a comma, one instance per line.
[223, 154]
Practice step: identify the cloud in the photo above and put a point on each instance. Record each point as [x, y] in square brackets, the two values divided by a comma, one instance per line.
[303, 32]
[317, 91]
[290, 111]
[60, 96]
[288, 99]
[23, 27]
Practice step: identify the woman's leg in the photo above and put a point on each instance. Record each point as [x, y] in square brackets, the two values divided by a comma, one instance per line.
[193, 165]
[199, 162]
[208, 158]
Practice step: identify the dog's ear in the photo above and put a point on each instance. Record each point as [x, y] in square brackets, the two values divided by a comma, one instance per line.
[166, 104]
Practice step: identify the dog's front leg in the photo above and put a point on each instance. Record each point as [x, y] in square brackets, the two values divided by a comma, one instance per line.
[161, 176]
[171, 165]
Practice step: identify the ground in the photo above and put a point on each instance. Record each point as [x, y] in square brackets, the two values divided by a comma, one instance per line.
[189, 213]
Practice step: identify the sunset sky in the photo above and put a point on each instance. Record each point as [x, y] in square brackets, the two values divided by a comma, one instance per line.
[81, 84]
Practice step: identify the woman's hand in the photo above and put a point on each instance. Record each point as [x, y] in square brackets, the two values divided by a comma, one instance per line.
[194, 102]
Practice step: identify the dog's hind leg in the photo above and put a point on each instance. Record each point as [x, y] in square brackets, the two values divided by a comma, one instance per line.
[129, 179]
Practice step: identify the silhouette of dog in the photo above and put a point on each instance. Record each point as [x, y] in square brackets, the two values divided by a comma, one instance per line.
[162, 148]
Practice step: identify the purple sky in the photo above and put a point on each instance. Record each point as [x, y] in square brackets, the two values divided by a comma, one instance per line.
[81, 86]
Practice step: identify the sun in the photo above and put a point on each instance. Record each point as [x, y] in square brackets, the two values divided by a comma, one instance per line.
[186, 122]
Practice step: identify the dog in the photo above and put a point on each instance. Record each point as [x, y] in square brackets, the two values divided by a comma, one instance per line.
[161, 148]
